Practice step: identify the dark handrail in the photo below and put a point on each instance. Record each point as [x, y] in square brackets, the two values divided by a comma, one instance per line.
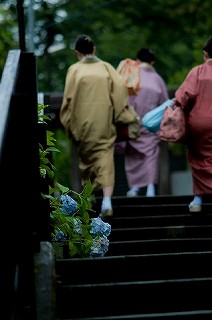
[20, 190]
[7, 86]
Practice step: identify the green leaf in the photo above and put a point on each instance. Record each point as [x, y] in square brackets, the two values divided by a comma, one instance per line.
[62, 188]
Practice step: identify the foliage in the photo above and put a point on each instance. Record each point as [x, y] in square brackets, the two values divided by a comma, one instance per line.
[119, 29]
[62, 160]
[129, 25]
[72, 228]
[7, 39]
[46, 167]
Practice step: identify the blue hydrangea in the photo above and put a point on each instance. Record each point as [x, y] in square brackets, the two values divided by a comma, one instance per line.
[77, 225]
[60, 236]
[69, 205]
[99, 228]
[99, 247]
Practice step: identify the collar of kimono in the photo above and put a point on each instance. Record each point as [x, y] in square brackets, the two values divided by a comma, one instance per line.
[146, 64]
[88, 59]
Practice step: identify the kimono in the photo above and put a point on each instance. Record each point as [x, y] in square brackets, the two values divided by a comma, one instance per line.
[195, 97]
[142, 154]
[94, 99]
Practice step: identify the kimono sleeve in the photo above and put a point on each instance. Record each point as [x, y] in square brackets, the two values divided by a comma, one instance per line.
[65, 110]
[186, 94]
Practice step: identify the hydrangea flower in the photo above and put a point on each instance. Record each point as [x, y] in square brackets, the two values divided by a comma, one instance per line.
[69, 205]
[60, 236]
[99, 246]
[99, 227]
[100, 230]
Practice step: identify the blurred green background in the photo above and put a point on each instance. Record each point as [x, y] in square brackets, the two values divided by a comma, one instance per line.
[174, 29]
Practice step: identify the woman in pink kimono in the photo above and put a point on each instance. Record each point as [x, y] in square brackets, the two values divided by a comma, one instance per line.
[195, 96]
[94, 99]
[142, 154]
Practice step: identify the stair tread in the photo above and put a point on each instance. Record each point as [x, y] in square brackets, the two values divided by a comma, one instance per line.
[136, 283]
[159, 246]
[135, 267]
[162, 240]
[157, 210]
[172, 315]
[158, 232]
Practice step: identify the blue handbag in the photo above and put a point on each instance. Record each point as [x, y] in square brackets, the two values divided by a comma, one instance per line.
[152, 119]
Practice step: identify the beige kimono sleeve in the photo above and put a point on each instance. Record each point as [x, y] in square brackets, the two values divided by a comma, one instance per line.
[65, 110]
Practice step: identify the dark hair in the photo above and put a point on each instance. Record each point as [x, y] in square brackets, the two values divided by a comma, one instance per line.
[84, 44]
[146, 55]
[208, 47]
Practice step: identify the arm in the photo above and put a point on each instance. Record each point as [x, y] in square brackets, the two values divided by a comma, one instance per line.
[65, 110]
[185, 95]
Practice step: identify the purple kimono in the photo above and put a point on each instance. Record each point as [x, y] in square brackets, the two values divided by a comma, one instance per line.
[142, 154]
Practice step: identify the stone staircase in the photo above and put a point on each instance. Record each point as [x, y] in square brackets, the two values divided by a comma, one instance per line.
[159, 265]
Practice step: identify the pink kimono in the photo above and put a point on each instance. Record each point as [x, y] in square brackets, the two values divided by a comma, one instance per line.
[142, 154]
[195, 94]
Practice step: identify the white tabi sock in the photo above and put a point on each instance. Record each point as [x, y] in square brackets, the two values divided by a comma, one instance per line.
[197, 200]
[106, 203]
[150, 192]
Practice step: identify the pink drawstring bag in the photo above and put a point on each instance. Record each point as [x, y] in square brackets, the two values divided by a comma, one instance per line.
[173, 125]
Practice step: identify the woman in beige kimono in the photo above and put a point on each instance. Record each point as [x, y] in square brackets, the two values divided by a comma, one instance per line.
[95, 97]
[195, 94]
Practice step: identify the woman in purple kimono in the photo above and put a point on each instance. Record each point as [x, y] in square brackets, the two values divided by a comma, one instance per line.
[195, 94]
[142, 154]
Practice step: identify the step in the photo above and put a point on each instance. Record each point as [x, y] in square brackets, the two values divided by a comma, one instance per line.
[159, 220]
[137, 297]
[157, 200]
[137, 210]
[155, 246]
[186, 315]
[134, 267]
[170, 232]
